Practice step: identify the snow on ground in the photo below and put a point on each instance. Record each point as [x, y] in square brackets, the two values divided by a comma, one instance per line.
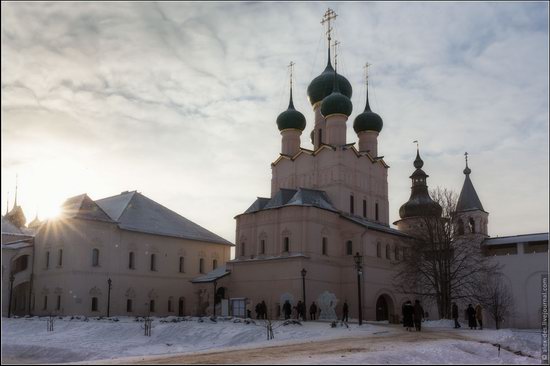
[74, 340]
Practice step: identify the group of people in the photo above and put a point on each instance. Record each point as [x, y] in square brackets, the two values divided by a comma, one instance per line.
[300, 310]
[412, 315]
[475, 316]
[261, 310]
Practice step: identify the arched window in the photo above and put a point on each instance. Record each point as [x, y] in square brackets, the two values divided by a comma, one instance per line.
[153, 262]
[286, 244]
[349, 247]
[379, 250]
[388, 251]
[262, 246]
[60, 258]
[95, 257]
[324, 248]
[201, 265]
[94, 304]
[182, 265]
[131, 260]
[472, 225]
[152, 306]
[460, 227]
[351, 204]
[214, 264]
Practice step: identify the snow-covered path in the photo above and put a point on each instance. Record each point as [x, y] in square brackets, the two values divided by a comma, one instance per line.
[104, 341]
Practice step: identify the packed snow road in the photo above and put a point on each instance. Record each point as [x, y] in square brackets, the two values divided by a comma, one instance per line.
[393, 346]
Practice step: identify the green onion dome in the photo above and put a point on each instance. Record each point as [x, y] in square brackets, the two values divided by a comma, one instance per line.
[322, 85]
[368, 120]
[336, 103]
[291, 118]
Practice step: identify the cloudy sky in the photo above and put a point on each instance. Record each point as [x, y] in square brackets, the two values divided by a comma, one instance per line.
[179, 100]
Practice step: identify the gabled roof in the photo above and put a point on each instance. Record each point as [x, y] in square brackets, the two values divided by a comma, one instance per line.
[468, 199]
[292, 197]
[135, 212]
[82, 207]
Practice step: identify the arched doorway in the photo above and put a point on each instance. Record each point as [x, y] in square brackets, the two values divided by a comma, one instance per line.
[181, 306]
[384, 308]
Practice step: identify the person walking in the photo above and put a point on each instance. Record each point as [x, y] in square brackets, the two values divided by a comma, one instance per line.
[471, 317]
[345, 311]
[479, 316]
[313, 311]
[408, 313]
[287, 309]
[418, 314]
[455, 315]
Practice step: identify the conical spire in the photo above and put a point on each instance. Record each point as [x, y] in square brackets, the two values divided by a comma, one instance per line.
[15, 202]
[468, 199]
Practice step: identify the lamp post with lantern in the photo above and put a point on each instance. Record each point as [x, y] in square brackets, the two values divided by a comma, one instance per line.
[359, 266]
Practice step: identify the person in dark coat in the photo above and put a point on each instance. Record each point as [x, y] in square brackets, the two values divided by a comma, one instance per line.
[287, 309]
[264, 310]
[479, 316]
[455, 315]
[471, 317]
[417, 315]
[313, 311]
[408, 314]
[345, 312]
[298, 308]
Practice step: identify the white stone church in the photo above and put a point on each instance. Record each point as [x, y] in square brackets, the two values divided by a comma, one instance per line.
[328, 208]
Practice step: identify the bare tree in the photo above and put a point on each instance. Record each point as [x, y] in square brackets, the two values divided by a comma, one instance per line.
[495, 297]
[440, 264]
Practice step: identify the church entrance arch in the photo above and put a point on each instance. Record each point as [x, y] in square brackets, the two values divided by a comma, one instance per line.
[384, 308]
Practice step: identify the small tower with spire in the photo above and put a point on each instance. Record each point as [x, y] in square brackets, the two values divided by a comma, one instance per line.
[470, 216]
[16, 215]
[420, 204]
[368, 124]
[291, 123]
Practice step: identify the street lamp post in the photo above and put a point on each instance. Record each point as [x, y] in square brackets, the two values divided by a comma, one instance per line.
[109, 282]
[303, 272]
[358, 265]
[12, 278]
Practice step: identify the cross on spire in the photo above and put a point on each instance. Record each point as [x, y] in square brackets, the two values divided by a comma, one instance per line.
[416, 142]
[329, 15]
[466, 157]
[366, 67]
[291, 67]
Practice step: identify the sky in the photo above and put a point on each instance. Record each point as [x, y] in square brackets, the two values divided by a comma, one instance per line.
[179, 100]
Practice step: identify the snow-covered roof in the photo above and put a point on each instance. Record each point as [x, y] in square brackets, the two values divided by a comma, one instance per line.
[9, 228]
[525, 238]
[135, 212]
[270, 257]
[212, 275]
[23, 243]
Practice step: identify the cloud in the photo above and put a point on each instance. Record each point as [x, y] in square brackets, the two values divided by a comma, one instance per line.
[179, 100]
